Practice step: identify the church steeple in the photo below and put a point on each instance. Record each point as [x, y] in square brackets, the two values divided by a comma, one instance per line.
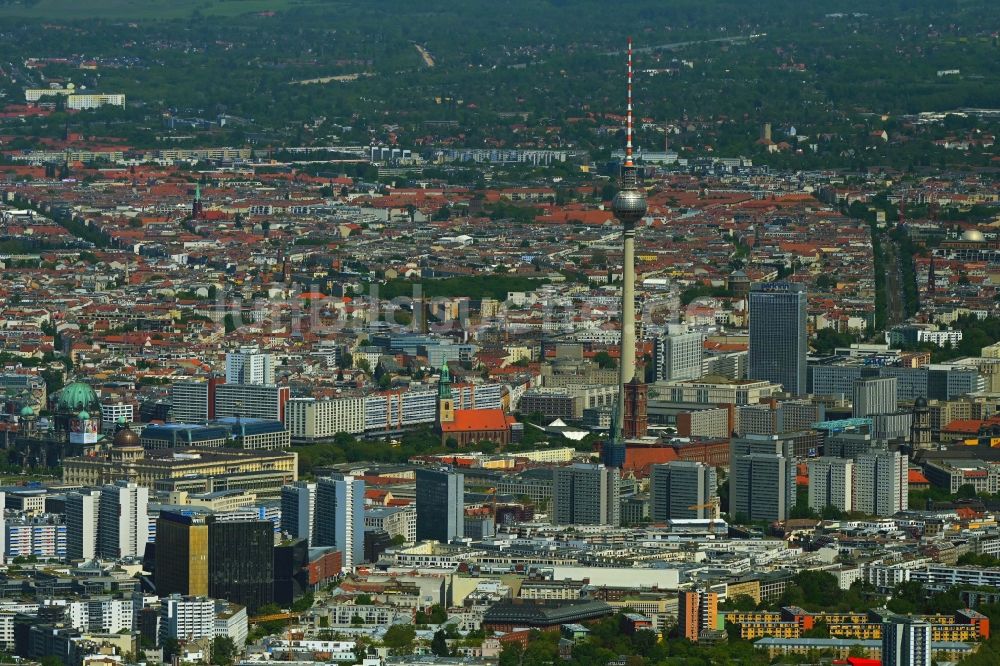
[196, 205]
[446, 405]
[444, 383]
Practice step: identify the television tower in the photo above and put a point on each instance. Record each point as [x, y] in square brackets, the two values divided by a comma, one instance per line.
[629, 206]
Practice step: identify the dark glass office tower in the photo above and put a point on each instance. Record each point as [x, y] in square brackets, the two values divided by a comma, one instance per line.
[440, 505]
[241, 562]
[181, 555]
[778, 337]
[291, 571]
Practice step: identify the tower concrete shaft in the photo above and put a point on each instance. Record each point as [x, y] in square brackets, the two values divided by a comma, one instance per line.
[626, 362]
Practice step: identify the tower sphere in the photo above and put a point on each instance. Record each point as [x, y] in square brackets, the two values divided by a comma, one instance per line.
[629, 206]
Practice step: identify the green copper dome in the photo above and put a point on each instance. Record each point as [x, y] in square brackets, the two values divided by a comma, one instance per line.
[84, 416]
[77, 397]
[27, 411]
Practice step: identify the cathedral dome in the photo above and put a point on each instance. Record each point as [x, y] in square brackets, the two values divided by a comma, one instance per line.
[126, 437]
[77, 397]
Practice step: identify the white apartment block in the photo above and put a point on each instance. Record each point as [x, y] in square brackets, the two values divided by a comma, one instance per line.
[939, 577]
[308, 418]
[881, 483]
[75, 99]
[875, 395]
[81, 101]
[249, 366]
[733, 392]
[35, 539]
[678, 356]
[99, 615]
[189, 402]
[187, 618]
[123, 523]
[231, 620]
[82, 510]
[831, 483]
[254, 401]
[478, 396]
[398, 409]
[7, 629]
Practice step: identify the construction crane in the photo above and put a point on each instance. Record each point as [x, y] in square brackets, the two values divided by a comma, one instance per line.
[711, 504]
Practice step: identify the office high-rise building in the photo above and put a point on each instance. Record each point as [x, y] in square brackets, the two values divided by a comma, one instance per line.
[758, 491]
[440, 505]
[697, 612]
[874, 396]
[762, 477]
[678, 356]
[778, 335]
[241, 562]
[181, 554]
[291, 572]
[298, 510]
[586, 494]
[249, 366]
[881, 483]
[340, 517]
[193, 401]
[682, 489]
[251, 401]
[122, 523]
[831, 483]
[82, 511]
[906, 641]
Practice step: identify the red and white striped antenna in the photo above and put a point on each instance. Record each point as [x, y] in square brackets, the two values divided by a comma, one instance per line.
[628, 111]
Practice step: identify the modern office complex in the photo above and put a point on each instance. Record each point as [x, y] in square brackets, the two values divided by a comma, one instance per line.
[906, 641]
[340, 517]
[586, 494]
[762, 477]
[881, 483]
[240, 562]
[875, 395]
[682, 489]
[123, 527]
[181, 554]
[82, 511]
[298, 510]
[678, 356]
[440, 505]
[778, 335]
[831, 483]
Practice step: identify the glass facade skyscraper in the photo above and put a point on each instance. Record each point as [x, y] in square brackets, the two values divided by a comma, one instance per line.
[778, 337]
[440, 505]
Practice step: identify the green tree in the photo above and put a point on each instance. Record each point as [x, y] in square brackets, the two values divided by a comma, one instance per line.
[399, 638]
[605, 360]
[223, 651]
[439, 645]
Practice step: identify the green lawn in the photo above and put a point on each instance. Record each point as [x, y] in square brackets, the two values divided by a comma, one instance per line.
[142, 9]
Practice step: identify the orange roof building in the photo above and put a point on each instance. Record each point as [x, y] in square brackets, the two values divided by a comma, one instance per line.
[470, 426]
